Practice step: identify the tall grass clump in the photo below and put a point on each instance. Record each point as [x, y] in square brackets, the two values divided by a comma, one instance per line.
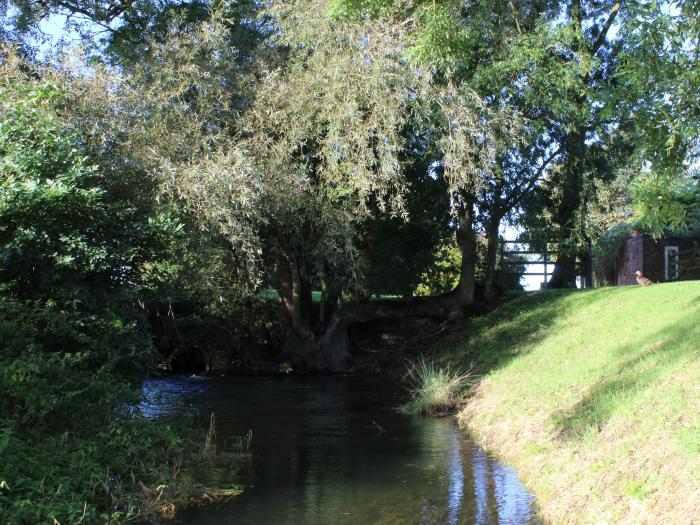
[435, 389]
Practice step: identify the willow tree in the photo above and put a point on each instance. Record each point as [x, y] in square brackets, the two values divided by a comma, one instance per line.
[322, 143]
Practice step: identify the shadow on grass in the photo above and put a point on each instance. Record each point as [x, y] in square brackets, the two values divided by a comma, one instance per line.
[632, 376]
[492, 341]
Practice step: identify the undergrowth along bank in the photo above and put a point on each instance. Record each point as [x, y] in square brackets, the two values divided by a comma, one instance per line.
[593, 397]
[434, 389]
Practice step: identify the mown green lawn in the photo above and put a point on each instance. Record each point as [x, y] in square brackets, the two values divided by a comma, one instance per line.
[594, 398]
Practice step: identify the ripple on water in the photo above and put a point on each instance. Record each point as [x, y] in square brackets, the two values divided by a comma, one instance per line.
[319, 457]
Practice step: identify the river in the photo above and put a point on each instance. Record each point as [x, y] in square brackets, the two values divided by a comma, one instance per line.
[334, 450]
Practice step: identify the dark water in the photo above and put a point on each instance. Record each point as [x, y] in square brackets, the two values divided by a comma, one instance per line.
[319, 458]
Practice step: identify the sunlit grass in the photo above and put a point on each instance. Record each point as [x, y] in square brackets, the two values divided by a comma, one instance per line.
[593, 397]
[435, 389]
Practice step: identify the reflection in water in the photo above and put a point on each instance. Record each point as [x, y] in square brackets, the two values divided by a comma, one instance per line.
[482, 486]
[506, 483]
[456, 487]
[319, 459]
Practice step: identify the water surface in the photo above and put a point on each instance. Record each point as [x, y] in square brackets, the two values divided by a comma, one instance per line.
[333, 450]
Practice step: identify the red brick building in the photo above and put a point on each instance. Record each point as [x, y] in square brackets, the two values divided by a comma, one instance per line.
[665, 259]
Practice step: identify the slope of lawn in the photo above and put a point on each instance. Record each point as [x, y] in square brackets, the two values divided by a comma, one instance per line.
[594, 398]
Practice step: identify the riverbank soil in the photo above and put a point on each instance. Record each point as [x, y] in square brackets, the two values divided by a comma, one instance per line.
[594, 398]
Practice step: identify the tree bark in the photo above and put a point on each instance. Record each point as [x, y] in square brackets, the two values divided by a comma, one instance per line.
[492, 239]
[564, 273]
[292, 291]
[328, 348]
[463, 294]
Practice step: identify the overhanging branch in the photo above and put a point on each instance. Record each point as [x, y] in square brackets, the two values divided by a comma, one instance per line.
[606, 27]
[512, 202]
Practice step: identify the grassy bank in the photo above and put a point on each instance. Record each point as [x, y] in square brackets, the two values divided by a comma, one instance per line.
[594, 398]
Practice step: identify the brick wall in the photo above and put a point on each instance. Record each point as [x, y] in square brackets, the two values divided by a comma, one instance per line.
[654, 257]
[691, 267]
[641, 252]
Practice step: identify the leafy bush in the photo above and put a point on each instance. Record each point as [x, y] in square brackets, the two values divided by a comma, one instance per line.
[73, 346]
[71, 439]
[443, 275]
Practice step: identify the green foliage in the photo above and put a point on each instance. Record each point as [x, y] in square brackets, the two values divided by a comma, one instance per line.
[395, 253]
[149, 21]
[340, 9]
[303, 179]
[69, 228]
[609, 201]
[51, 210]
[435, 389]
[663, 202]
[443, 274]
[73, 441]
[440, 38]
[662, 64]
[74, 247]
[53, 355]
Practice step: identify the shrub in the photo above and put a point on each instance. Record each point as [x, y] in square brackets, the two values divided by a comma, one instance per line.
[72, 443]
[73, 346]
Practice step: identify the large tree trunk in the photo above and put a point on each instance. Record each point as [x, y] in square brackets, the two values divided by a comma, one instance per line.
[293, 290]
[463, 294]
[492, 239]
[564, 273]
[328, 348]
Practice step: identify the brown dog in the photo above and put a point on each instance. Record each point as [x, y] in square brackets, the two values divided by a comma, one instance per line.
[643, 280]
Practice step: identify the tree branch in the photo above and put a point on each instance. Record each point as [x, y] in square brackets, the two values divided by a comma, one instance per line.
[515, 17]
[98, 14]
[606, 27]
[512, 202]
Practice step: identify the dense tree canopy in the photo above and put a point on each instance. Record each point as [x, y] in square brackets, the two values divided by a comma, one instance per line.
[289, 135]
[581, 75]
